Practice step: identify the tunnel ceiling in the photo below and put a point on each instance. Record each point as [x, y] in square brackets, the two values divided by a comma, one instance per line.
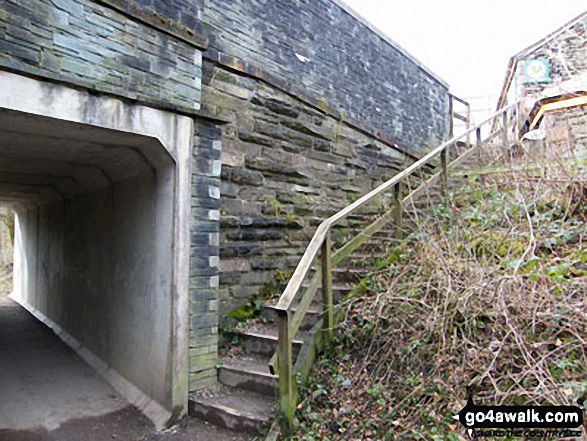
[44, 159]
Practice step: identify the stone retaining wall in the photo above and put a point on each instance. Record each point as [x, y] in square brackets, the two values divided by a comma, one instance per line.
[88, 45]
[322, 52]
[319, 49]
[204, 255]
[566, 53]
[285, 168]
[320, 107]
[566, 133]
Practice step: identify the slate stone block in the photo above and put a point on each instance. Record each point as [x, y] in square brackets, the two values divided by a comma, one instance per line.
[87, 44]
[242, 176]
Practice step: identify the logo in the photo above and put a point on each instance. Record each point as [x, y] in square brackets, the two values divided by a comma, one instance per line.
[536, 71]
[508, 421]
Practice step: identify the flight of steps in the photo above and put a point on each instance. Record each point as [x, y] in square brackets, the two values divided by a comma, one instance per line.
[245, 398]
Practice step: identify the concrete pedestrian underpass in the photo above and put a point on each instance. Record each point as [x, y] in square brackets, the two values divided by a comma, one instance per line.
[43, 383]
[101, 192]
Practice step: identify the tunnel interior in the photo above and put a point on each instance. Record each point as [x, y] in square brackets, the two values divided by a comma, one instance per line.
[94, 240]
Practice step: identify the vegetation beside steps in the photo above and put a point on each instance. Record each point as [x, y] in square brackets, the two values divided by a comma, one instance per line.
[246, 396]
[287, 344]
[485, 291]
[488, 290]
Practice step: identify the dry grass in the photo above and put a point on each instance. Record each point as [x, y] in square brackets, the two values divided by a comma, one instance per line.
[488, 290]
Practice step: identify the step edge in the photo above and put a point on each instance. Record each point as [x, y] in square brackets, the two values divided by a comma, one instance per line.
[309, 311]
[265, 336]
[250, 372]
[232, 411]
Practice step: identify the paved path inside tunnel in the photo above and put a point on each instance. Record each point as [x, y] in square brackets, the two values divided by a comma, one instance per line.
[43, 383]
[48, 393]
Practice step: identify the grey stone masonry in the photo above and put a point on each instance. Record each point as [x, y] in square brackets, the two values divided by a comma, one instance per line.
[204, 255]
[320, 52]
[86, 44]
[566, 133]
[321, 109]
[567, 58]
[179, 12]
[566, 52]
[285, 168]
[319, 49]
[89, 45]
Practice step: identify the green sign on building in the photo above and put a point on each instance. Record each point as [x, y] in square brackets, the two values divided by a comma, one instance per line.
[536, 71]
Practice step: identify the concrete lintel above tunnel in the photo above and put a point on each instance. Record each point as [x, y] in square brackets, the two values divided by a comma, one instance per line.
[67, 158]
[101, 188]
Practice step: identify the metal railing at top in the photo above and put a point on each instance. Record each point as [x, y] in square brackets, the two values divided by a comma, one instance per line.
[289, 321]
[463, 115]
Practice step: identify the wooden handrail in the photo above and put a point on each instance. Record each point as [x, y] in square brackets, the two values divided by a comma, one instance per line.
[553, 103]
[281, 362]
[286, 299]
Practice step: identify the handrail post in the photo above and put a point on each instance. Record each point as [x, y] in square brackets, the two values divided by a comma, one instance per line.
[505, 130]
[516, 123]
[468, 126]
[443, 170]
[516, 129]
[282, 360]
[398, 210]
[478, 143]
[518, 109]
[451, 130]
[286, 386]
[327, 298]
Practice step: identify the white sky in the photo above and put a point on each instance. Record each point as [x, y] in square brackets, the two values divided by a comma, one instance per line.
[468, 43]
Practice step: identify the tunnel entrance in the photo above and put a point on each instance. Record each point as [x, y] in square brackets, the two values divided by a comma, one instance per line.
[100, 191]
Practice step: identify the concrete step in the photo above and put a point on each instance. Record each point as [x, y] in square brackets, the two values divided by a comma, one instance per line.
[240, 410]
[344, 275]
[352, 272]
[340, 275]
[311, 318]
[250, 372]
[342, 288]
[350, 275]
[262, 339]
[339, 291]
[364, 258]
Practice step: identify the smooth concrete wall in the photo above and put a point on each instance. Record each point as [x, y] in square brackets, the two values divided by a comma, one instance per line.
[99, 265]
[153, 229]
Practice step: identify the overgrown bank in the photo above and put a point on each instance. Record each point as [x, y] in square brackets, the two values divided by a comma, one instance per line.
[489, 290]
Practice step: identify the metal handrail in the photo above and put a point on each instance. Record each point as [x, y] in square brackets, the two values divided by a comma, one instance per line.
[321, 241]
